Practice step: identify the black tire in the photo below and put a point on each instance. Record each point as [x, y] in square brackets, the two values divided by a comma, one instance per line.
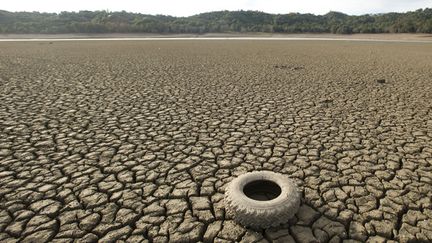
[262, 214]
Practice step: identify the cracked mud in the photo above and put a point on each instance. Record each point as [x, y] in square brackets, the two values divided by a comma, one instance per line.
[135, 141]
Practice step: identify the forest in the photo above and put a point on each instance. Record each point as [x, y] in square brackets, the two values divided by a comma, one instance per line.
[419, 21]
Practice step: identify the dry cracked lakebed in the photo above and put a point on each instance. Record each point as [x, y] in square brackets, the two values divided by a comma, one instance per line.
[135, 141]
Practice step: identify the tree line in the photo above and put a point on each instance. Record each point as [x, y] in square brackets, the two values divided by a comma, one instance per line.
[419, 21]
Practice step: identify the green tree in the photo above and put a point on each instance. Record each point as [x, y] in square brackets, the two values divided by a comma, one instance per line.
[419, 21]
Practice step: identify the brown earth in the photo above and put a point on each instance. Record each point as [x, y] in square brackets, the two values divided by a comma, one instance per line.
[135, 141]
[380, 37]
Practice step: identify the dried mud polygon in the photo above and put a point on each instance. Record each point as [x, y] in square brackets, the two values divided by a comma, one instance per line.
[135, 140]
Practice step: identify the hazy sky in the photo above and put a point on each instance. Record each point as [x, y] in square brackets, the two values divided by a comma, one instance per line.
[190, 7]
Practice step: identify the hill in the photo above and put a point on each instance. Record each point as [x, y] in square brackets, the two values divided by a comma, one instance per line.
[419, 21]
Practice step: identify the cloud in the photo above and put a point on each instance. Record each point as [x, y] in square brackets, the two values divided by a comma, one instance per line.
[190, 7]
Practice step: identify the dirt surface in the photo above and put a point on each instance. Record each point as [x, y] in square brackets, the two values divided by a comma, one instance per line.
[378, 37]
[135, 141]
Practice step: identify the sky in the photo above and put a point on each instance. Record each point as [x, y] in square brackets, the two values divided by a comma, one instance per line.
[191, 7]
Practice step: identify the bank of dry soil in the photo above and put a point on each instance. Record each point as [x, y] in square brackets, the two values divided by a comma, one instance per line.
[135, 141]
[377, 37]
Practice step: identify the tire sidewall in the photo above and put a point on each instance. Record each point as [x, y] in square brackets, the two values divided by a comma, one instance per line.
[285, 184]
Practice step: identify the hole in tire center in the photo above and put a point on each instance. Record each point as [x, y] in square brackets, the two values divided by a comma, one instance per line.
[262, 190]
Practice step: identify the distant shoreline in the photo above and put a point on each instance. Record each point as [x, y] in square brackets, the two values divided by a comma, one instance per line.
[426, 38]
